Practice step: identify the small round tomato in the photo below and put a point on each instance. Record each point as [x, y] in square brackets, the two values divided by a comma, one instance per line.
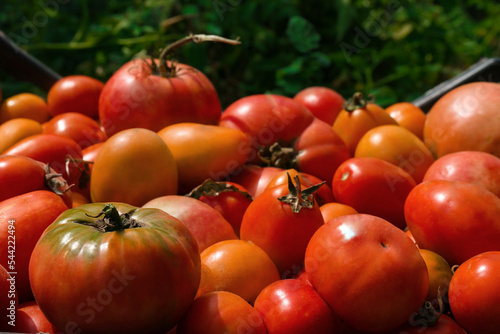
[396, 145]
[75, 93]
[409, 116]
[237, 266]
[24, 105]
[325, 103]
[133, 166]
[474, 294]
[373, 186]
[367, 270]
[292, 306]
[221, 312]
[79, 127]
[15, 130]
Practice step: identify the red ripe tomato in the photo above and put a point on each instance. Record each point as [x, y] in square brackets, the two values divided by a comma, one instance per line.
[455, 219]
[292, 306]
[59, 152]
[373, 186]
[79, 127]
[23, 219]
[368, 271]
[465, 119]
[221, 312]
[480, 168]
[103, 268]
[8, 302]
[138, 96]
[20, 175]
[281, 221]
[75, 93]
[30, 319]
[474, 294]
[255, 179]
[323, 102]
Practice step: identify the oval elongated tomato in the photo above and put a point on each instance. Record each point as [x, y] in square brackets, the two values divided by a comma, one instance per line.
[205, 152]
[133, 166]
[455, 219]
[474, 294]
[55, 150]
[24, 105]
[465, 119]
[136, 96]
[104, 260]
[396, 145]
[17, 129]
[373, 186]
[357, 117]
[368, 271]
[26, 227]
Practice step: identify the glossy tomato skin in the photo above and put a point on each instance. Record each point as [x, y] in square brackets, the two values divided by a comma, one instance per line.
[135, 97]
[155, 264]
[17, 129]
[474, 294]
[281, 233]
[455, 219]
[256, 178]
[24, 105]
[20, 229]
[479, 168]
[325, 103]
[30, 319]
[75, 93]
[53, 150]
[409, 116]
[465, 119]
[368, 271]
[373, 186]
[79, 127]
[292, 306]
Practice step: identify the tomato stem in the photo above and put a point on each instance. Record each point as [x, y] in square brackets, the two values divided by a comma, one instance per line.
[169, 71]
[55, 182]
[280, 156]
[111, 220]
[298, 198]
[212, 188]
[357, 102]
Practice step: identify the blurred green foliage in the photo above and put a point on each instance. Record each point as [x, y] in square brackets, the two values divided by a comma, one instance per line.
[394, 49]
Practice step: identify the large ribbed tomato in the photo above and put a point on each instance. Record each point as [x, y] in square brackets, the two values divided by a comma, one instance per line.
[115, 268]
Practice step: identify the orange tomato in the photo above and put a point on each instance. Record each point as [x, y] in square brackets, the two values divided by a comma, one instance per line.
[334, 210]
[205, 151]
[237, 266]
[24, 105]
[357, 117]
[14, 130]
[133, 166]
[79, 199]
[399, 146]
[409, 116]
[439, 274]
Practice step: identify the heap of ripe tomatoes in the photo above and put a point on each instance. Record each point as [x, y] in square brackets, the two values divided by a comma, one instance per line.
[140, 206]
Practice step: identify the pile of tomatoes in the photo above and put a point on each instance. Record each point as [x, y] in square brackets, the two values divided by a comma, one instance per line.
[138, 205]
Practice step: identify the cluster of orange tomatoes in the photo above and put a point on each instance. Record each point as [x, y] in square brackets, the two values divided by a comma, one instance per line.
[139, 206]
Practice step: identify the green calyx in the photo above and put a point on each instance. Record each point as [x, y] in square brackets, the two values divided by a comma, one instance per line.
[298, 198]
[109, 220]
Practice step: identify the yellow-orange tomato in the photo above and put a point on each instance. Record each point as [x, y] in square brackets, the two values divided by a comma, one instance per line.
[334, 210]
[24, 105]
[205, 151]
[409, 116]
[399, 146]
[79, 199]
[237, 266]
[17, 129]
[439, 274]
[357, 117]
[133, 166]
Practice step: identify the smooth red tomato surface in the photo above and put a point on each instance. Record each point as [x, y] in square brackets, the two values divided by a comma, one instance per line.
[136, 97]
[373, 186]
[79, 127]
[221, 312]
[474, 294]
[30, 319]
[480, 168]
[465, 119]
[95, 264]
[325, 103]
[75, 93]
[368, 271]
[455, 219]
[26, 226]
[292, 306]
[255, 178]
